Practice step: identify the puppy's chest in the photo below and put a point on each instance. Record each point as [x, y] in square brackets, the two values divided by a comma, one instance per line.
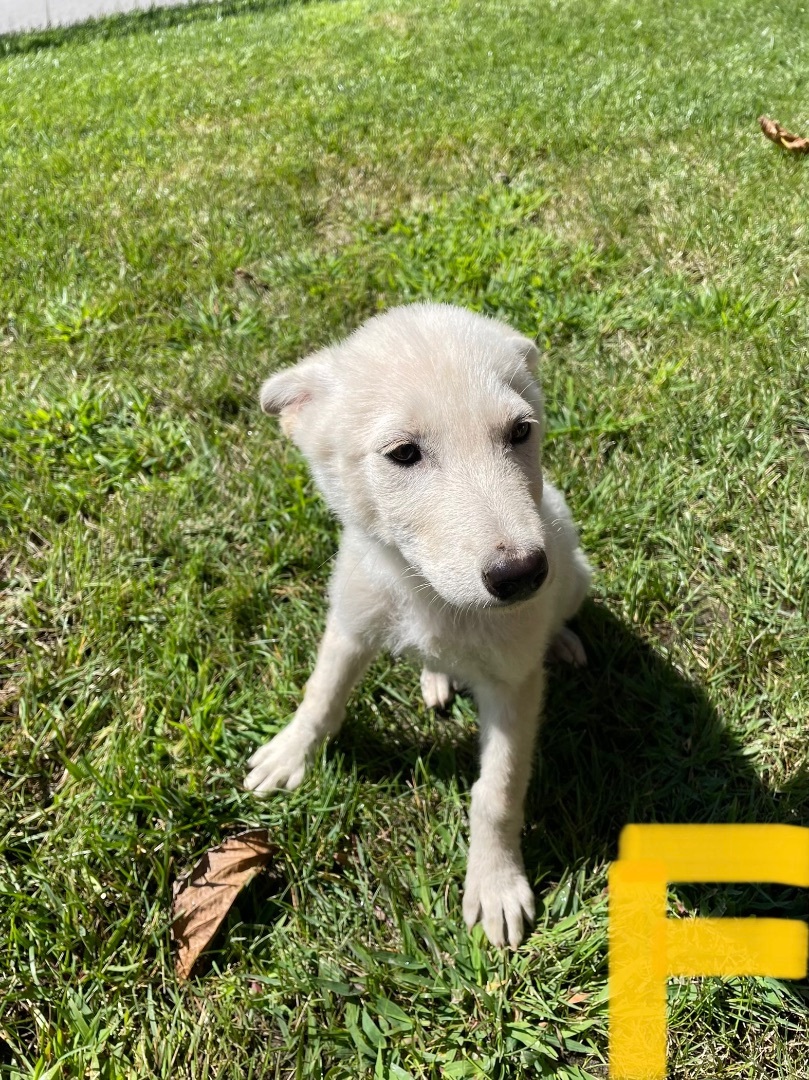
[462, 645]
[425, 635]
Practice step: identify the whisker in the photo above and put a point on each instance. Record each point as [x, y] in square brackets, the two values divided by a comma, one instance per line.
[328, 559]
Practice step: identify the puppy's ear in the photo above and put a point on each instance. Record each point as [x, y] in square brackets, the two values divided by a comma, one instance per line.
[292, 389]
[527, 351]
[525, 379]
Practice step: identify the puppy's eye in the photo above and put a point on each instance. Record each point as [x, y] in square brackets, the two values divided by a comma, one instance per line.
[520, 432]
[406, 454]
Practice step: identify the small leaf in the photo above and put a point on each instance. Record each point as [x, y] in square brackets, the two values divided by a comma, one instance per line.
[203, 897]
[577, 999]
[778, 134]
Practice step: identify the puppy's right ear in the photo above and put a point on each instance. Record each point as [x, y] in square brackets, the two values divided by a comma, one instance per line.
[291, 390]
[527, 351]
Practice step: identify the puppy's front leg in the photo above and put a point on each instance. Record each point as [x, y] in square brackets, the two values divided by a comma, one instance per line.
[283, 761]
[496, 891]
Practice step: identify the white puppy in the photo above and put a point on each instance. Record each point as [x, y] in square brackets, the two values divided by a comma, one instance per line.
[423, 431]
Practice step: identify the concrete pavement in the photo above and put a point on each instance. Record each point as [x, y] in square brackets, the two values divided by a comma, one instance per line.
[38, 14]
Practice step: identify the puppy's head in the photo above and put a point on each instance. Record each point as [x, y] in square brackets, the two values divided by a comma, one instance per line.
[423, 429]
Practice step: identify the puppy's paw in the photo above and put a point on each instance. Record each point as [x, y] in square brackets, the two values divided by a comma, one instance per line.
[281, 763]
[436, 689]
[499, 897]
[567, 648]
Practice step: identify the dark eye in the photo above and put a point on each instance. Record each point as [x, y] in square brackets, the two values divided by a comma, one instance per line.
[406, 454]
[520, 432]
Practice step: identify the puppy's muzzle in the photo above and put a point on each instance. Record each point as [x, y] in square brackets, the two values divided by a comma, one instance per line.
[516, 578]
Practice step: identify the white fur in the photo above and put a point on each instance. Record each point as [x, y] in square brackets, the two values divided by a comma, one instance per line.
[409, 572]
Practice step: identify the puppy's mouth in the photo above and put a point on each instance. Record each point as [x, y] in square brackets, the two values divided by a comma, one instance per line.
[493, 604]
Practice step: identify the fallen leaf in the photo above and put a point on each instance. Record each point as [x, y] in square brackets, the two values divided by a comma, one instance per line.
[577, 999]
[9, 693]
[247, 277]
[778, 134]
[203, 897]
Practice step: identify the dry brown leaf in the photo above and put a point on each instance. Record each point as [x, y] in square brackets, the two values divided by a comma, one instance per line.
[9, 693]
[778, 134]
[247, 277]
[204, 896]
[577, 999]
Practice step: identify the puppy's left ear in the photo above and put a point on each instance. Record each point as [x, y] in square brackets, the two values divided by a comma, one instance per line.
[292, 390]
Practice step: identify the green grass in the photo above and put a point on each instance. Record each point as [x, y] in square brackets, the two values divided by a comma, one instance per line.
[593, 173]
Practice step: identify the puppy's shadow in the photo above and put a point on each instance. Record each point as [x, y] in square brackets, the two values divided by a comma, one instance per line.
[632, 740]
[629, 739]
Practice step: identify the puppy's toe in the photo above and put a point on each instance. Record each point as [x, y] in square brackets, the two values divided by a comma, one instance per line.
[567, 648]
[262, 781]
[471, 904]
[280, 764]
[260, 754]
[506, 917]
[437, 690]
[502, 900]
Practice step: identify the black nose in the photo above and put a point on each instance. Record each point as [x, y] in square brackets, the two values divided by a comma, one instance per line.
[513, 578]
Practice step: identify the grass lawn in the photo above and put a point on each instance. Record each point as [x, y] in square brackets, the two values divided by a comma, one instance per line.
[189, 199]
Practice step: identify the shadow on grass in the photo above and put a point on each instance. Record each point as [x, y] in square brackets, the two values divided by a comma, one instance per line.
[627, 740]
[631, 740]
